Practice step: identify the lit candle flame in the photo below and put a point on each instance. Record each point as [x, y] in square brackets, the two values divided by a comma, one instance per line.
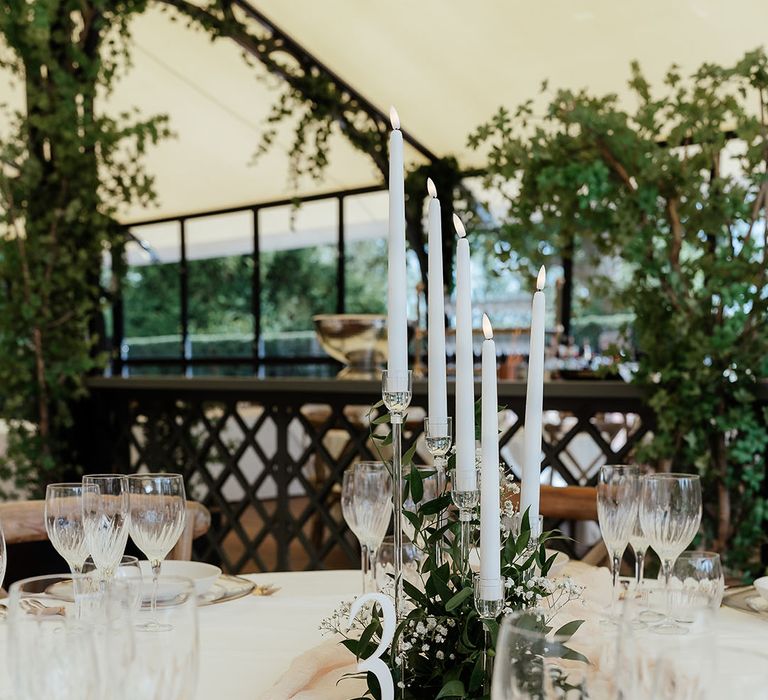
[541, 280]
[487, 327]
[394, 118]
[460, 230]
[431, 188]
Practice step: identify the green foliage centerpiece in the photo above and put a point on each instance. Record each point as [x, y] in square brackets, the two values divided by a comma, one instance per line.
[445, 645]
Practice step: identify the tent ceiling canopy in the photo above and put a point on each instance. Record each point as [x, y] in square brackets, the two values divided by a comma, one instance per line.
[446, 66]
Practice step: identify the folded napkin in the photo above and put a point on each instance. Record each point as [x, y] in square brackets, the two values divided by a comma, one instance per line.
[315, 675]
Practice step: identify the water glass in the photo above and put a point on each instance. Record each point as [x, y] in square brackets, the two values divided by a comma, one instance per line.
[617, 495]
[64, 521]
[385, 563]
[529, 663]
[697, 574]
[366, 503]
[158, 505]
[127, 574]
[53, 648]
[165, 666]
[670, 514]
[106, 520]
[680, 664]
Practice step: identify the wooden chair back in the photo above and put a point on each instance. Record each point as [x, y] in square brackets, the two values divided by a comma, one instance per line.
[567, 502]
[24, 521]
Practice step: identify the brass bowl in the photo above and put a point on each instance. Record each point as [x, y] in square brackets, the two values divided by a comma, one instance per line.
[359, 341]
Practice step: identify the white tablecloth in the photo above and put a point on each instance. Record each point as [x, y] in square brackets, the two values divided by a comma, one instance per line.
[247, 644]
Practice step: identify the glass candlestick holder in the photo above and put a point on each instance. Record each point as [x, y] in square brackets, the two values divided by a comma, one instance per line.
[438, 437]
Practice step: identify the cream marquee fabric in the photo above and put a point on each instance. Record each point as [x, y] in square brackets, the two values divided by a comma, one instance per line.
[446, 64]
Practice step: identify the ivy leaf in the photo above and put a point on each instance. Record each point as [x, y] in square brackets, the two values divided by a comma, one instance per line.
[435, 506]
[452, 689]
[569, 628]
[414, 593]
[478, 675]
[458, 599]
[416, 482]
[408, 456]
[381, 419]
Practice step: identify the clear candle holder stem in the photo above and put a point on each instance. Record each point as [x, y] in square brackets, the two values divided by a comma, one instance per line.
[466, 502]
[438, 436]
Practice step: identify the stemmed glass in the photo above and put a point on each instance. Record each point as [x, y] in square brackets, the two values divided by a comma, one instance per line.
[670, 514]
[158, 514]
[617, 492]
[64, 521]
[105, 519]
[639, 543]
[366, 503]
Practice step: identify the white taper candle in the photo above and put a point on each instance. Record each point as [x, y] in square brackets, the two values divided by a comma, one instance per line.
[438, 400]
[464, 428]
[490, 497]
[530, 485]
[397, 310]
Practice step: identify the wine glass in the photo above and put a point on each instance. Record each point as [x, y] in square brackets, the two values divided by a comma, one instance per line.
[670, 513]
[366, 503]
[106, 519]
[617, 491]
[158, 515]
[64, 521]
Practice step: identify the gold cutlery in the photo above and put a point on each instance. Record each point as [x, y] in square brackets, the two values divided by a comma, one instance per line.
[265, 590]
[35, 607]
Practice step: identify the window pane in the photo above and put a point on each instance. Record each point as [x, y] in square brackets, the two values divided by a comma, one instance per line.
[299, 267]
[365, 229]
[220, 269]
[151, 292]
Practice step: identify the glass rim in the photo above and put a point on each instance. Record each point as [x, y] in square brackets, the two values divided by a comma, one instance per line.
[68, 485]
[671, 476]
[156, 475]
[621, 467]
[692, 553]
[510, 621]
[396, 373]
[367, 464]
[103, 476]
[16, 585]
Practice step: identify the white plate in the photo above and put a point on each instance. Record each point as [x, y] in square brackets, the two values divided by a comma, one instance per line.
[203, 575]
[758, 604]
